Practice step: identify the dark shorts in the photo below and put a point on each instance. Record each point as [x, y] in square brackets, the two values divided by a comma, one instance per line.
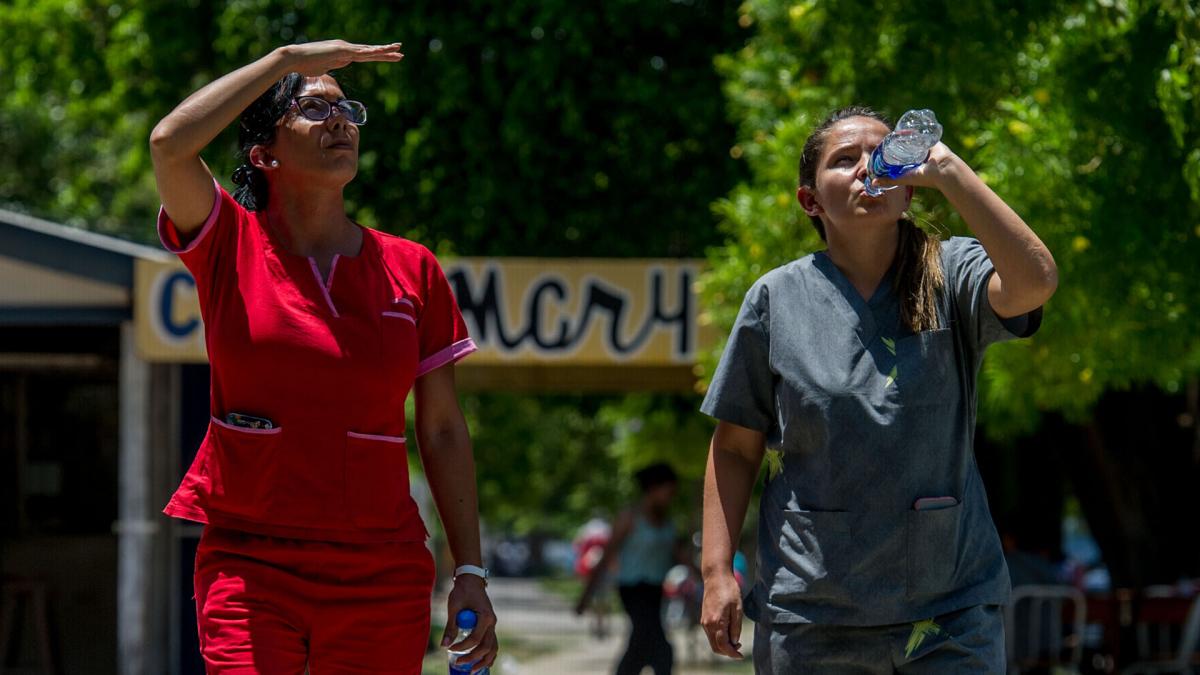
[967, 641]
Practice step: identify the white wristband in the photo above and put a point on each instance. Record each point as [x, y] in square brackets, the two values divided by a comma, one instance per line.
[476, 570]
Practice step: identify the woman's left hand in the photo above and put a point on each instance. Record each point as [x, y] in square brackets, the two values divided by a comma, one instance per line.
[937, 169]
[470, 592]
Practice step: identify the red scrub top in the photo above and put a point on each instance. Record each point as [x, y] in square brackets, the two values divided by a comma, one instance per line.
[329, 362]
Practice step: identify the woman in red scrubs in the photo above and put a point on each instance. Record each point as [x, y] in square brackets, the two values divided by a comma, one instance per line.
[313, 553]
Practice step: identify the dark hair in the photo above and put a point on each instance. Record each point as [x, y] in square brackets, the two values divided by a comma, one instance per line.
[257, 126]
[654, 475]
[919, 267]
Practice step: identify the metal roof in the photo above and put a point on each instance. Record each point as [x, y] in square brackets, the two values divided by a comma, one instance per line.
[71, 251]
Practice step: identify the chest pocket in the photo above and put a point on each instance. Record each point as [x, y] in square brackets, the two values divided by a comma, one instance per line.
[398, 345]
[924, 372]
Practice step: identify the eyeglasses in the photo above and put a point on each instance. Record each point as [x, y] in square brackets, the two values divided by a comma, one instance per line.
[318, 109]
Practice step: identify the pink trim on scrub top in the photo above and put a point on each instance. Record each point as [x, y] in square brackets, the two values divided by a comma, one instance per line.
[164, 221]
[324, 288]
[332, 271]
[244, 430]
[402, 315]
[450, 354]
[377, 437]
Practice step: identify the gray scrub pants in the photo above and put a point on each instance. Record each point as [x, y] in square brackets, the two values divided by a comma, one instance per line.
[967, 641]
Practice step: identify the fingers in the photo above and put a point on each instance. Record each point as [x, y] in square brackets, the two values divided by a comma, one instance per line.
[481, 646]
[484, 616]
[379, 58]
[451, 628]
[722, 617]
[485, 626]
[318, 58]
[364, 53]
[720, 643]
[724, 633]
[362, 49]
[483, 655]
[735, 627]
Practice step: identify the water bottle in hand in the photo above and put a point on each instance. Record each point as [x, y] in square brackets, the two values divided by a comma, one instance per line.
[904, 149]
[466, 622]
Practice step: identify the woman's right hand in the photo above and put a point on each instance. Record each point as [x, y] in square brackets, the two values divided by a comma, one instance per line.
[313, 59]
[721, 614]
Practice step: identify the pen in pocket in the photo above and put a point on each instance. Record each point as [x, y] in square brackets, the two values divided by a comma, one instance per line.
[934, 503]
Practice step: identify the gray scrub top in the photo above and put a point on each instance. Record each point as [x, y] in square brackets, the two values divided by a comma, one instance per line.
[870, 418]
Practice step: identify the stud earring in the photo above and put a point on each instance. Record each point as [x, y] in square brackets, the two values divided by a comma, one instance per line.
[274, 162]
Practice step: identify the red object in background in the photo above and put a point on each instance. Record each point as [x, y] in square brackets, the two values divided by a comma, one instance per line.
[588, 553]
[589, 546]
[1121, 611]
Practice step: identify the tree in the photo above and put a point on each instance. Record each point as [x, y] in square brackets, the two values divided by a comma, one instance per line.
[515, 128]
[548, 128]
[546, 464]
[1084, 117]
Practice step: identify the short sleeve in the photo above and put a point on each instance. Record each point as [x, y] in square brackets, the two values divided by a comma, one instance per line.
[202, 253]
[441, 331]
[742, 390]
[968, 271]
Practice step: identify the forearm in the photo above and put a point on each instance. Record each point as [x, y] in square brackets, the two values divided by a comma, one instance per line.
[595, 576]
[195, 122]
[728, 483]
[450, 468]
[1022, 261]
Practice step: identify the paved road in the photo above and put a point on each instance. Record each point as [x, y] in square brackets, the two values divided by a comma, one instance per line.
[545, 636]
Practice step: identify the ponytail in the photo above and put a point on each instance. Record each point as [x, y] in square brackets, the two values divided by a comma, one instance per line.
[252, 188]
[919, 277]
[257, 126]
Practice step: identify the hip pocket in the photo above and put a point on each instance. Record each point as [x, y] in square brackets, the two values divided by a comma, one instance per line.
[376, 479]
[242, 468]
[933, 550]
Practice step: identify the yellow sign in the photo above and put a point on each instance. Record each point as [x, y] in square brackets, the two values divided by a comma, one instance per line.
[166, 313]
[525, 314]
[575, 312]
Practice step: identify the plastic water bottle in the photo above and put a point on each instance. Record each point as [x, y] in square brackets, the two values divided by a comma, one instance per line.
[466, 622]
[903, 150]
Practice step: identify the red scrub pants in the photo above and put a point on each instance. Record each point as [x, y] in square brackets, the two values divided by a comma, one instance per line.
[274, 606]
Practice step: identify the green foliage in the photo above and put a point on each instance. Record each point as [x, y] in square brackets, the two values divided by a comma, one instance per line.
[1084, 116]
[518, 128]
[511, 128]
[74, 98]
[548, 463]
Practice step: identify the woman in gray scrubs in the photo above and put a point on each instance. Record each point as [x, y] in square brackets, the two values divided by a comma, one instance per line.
[858, 365]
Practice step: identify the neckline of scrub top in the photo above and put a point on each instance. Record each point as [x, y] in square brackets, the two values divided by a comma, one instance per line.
[855, 308]
[325, 285]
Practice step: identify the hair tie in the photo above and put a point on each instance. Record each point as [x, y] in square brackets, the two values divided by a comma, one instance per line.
[243, 174]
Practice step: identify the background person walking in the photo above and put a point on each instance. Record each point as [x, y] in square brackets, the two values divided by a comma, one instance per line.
[645, 545]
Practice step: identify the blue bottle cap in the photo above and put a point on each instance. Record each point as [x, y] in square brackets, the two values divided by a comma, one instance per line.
[466, 619]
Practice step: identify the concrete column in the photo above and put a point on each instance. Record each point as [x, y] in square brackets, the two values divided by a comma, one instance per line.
[136, 525]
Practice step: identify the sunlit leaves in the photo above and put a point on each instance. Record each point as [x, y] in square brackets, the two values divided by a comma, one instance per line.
[1083, 116]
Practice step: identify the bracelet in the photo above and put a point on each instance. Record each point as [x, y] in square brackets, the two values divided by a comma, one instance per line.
[481, 572]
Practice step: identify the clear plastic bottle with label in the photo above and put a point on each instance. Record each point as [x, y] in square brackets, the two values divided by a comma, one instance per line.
[903, 150]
